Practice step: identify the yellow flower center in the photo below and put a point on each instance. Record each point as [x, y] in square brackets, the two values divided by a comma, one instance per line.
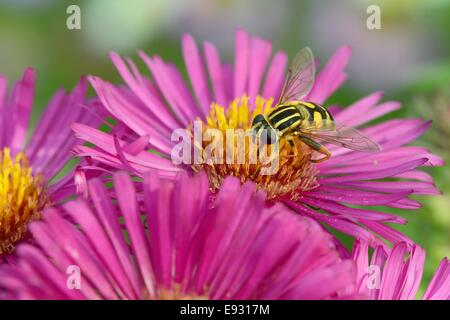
[295, 173]
[22, 198]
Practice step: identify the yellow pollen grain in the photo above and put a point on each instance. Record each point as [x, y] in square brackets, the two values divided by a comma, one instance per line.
[295, 173]
[22, 198]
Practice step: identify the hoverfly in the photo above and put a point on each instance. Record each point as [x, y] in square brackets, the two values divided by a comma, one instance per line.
[311, 123]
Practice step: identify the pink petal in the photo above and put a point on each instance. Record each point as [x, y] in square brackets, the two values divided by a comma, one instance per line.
[196, 72]
[331, 76]
[275, 76]
[259, 56]
[241, 67]
[215, 72]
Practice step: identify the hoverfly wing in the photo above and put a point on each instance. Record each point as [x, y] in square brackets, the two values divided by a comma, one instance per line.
[300, 76]
[343, 136]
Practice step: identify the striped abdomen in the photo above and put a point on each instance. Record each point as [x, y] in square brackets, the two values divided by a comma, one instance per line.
[315, 115]
[293, 115]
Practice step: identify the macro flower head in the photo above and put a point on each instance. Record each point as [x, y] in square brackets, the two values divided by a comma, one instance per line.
[338, 192]
[29, 166]
[177, 240]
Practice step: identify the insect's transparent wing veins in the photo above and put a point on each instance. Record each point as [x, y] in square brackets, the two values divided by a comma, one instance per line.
[343, 136]
[300, 77]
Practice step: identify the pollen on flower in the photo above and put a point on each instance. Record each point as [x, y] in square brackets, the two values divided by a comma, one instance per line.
[22, 198]
[295, 173]
[176, 293]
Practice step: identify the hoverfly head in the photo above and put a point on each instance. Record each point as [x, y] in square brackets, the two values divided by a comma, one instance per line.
[259, 121]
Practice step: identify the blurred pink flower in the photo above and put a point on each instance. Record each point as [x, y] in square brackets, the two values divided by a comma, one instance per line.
[29, 167]
[391, 277]
[148, 111]
[229, 247]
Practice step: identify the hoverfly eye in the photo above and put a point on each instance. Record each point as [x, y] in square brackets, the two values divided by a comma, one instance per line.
[259, 119]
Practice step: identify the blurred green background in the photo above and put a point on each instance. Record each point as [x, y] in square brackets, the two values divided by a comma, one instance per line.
[408, 58]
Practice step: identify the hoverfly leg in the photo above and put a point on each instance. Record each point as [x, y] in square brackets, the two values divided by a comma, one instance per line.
[291, 141]
[317, 147]
[326, 157]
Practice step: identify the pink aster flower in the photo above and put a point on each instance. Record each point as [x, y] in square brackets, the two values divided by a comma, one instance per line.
[397, 275]
[147, 111]
[29, 166]
[229, 247]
